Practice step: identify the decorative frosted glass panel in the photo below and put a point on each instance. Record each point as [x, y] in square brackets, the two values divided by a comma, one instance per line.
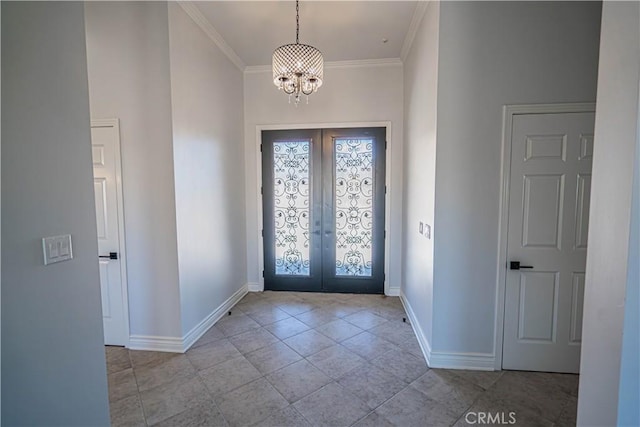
[354, 206]
[291, 207]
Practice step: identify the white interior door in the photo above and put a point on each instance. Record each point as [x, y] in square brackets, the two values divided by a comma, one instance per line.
[548, 222]
[105, 142]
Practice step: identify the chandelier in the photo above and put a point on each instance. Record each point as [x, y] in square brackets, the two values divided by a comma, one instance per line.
[297, 68]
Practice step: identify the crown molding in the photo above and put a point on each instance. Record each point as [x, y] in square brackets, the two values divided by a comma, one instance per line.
[194, 13]
[418, 14]
[357, 63]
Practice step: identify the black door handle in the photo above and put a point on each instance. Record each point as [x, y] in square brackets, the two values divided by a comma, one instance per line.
[515, 265]
[112, 255]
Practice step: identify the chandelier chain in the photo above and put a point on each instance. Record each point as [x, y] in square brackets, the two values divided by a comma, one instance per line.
[297, 22]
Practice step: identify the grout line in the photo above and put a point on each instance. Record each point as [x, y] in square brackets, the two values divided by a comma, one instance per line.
[135, 377]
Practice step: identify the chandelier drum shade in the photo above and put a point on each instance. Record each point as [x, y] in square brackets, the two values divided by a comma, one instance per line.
[298, 69]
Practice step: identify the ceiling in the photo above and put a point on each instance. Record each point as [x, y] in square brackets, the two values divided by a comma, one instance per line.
[341, 30]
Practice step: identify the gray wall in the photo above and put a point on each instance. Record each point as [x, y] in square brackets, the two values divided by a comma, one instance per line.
[610, 219]
[53, 363]
[629, 394]
[129, 79]
[420, 114]
[491, 54]
[208, 152]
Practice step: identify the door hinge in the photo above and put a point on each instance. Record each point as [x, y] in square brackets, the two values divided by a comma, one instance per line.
[385, 144]
[262, 231]
[385, 234]
[261, 190]
[385, 189]
[262, 273]
[261, 148]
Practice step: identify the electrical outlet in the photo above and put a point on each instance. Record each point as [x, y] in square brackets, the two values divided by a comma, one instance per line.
[427, 231]
[421, 228]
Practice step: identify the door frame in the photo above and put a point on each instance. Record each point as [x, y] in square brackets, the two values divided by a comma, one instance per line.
[508, 114]
[331, 125]
[115, 123]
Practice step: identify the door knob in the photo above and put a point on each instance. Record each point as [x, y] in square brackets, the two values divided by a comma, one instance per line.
[112, 255]
[515, 265]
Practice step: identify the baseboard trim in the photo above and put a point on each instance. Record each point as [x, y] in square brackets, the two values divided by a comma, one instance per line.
[182, 344]
[156, 343]
[255, 287]
[447, 360]
[393, 292]
[422, 338]
[201, 328]
[469, 361]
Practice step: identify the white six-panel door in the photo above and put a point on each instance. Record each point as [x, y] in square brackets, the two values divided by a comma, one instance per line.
[548, 219]
[106, 170]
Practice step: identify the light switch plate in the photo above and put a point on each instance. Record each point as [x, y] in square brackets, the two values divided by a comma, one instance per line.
[420, 227]
[427, 231]
[57, 248]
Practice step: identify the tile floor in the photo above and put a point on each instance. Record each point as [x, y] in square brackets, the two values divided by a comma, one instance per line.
[300, 359]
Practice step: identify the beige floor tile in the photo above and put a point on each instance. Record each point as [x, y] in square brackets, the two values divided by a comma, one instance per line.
[212, 335]
[365, 319]
[412, 408]
[117, 359]
[448, 390]
[373, 420]
[268, 315]
[228, 375]
[212, 354]
[308, 342]
[122, 384]
[371, 384]
[286, 328]
[332, 405]
[411, 345]
[342, 309]
[175, 369]
[484, 379]
[378, 369]
[339, 330]
[335, 361]
[394, 331]
[236, 324]
[534, 391]
[203, 415]
[148, 359]
[251, 403]
[168, 400]
[403, 365]
[316, 317]
[127, 412]
[298, 380]
[568, 416]
[390, 312]
[252, 340]
[287, 417]
[368, 345]
[566, 382]
[295, 308]
[272, 357]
